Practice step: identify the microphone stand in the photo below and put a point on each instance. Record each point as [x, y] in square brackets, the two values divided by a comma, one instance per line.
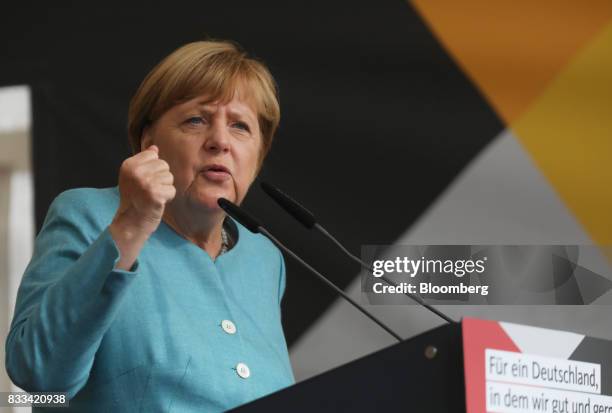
[415, 297]
[306, 218]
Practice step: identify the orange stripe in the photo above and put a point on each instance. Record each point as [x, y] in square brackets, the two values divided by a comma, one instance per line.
[513, 49]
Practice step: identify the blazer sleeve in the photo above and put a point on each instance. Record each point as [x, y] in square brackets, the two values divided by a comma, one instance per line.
[282, 282]
[67, 300]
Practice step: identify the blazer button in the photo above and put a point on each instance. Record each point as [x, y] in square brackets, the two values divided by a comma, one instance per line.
[243, 370]
[228, 327]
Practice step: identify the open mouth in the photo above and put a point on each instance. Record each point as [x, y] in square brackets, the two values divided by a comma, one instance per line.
[216, 172]
[216, 168]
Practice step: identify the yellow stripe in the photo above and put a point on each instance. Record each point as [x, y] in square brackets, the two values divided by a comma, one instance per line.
[568, 132]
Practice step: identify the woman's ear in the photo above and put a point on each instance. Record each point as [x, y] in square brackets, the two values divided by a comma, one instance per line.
[146, 139]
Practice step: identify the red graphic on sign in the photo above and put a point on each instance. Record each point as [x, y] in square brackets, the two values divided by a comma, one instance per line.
[479, 335]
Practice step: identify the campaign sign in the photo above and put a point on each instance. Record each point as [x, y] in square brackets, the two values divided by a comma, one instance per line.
[511, 368]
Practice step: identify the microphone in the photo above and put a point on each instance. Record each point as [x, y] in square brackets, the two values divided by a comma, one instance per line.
[239, 215]
[297, 211]
[306, 218]
[254, 226]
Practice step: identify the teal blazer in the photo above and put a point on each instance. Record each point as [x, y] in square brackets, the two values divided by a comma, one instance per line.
[179, 332]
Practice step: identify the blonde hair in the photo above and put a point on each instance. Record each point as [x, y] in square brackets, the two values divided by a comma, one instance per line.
[215, 68]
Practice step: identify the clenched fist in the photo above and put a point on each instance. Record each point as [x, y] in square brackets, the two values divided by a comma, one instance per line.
[145, 186]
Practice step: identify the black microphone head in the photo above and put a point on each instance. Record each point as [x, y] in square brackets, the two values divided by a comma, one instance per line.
[239, 215]
[297, 211]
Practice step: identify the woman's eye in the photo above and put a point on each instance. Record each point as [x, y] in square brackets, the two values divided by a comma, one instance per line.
[243, 126]
[195, 120]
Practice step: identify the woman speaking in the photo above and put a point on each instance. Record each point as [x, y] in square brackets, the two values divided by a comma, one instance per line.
[147, 297]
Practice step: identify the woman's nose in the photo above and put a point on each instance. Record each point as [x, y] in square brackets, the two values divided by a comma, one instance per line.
[217, 139]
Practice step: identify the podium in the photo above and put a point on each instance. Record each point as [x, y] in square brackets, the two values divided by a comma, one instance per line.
[421, 374]
[475, 366]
